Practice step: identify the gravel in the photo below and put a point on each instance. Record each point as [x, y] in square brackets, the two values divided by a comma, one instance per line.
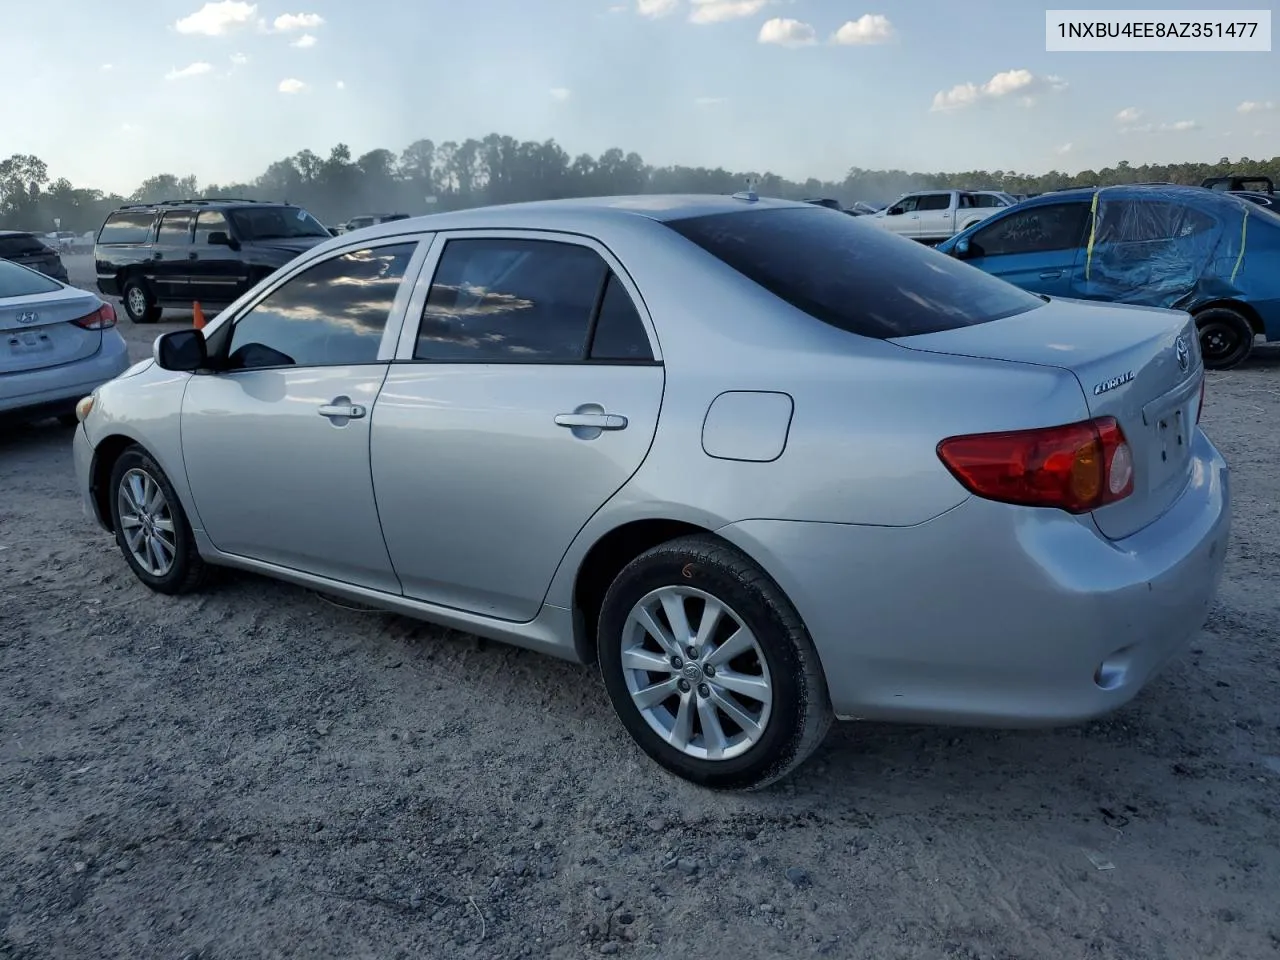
[256, 772]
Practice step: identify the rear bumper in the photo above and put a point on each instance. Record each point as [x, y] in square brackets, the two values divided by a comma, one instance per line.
[56, 390]
[1000, 616]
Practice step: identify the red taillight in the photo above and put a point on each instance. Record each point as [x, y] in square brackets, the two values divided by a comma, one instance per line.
[100, 319]
[1077, 467]
[1200, 409]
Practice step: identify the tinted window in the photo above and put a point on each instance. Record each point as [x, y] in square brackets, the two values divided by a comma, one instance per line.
[127, 228]
[935, 201]
[275, 223]
[1055, 226]
[175, 227]
[853, 275]
[332, 313]
[510, 300]
[210, 221]
[20, 245]
[619, 333]
[16, 281]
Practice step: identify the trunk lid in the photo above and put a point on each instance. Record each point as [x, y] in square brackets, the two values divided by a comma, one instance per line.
[36, 332]
[1141, 365]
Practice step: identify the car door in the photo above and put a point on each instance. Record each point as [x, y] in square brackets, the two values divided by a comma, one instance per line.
[218, 273]
[1033, 248]
[276, 443]
[936, 216]
[525, 393]
[170, 268]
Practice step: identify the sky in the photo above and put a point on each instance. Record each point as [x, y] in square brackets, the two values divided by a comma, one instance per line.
[797, 87]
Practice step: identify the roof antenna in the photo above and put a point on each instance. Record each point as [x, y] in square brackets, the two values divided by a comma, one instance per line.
[748, 194]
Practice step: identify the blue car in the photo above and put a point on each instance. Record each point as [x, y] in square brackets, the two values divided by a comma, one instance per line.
[1184, 248]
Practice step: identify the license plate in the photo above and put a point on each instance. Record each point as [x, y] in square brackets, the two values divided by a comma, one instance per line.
[23, 344]
[1172, 447]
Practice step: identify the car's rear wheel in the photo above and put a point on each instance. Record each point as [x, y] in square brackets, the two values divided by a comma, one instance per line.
[139, 304]
[709, 667]
[1226, 337]
[151, 527]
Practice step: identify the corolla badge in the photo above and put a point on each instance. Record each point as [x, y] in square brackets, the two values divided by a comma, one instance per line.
[1183, 353]
[28, 316]
[1107, 385]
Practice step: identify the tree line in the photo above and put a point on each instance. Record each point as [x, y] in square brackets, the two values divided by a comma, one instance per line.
[428, 177]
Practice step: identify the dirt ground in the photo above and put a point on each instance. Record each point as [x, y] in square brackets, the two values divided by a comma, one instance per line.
[258, 773]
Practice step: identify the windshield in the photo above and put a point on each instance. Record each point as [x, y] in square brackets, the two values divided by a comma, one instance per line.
[854, 275]
[16, 281]
[275, 223]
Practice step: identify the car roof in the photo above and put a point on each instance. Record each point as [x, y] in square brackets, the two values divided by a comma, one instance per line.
[582, 213]
[1166, 191]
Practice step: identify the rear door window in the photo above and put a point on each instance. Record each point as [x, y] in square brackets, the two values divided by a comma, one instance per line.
[935, 201]
[175, 227]
[127, 228]
[852, 275]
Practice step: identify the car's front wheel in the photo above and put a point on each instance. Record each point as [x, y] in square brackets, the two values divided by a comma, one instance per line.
[138, 302]
[151, 527]
[709, 667]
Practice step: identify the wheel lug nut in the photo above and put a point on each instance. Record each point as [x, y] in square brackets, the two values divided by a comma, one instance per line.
[692, 652]
[704, 690]
[677, 662]
[709, 670]
[684, 686]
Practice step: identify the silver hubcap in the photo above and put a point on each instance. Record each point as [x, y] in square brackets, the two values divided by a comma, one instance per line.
[147, 522]
[137, 301]
[696, 673]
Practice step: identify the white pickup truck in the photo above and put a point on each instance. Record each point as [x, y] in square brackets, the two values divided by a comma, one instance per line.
[932, 216]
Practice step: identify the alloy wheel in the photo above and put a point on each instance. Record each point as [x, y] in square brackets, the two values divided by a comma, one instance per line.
[146, 521]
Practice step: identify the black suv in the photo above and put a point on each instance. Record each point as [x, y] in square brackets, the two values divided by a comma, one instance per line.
[169, 254]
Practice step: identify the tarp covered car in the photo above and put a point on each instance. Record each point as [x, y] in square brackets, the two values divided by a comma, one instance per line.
[1184, 248]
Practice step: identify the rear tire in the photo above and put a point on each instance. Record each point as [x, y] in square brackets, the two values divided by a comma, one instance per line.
[757, 665]
[151, 527]
[139, 304]
[1226, 337]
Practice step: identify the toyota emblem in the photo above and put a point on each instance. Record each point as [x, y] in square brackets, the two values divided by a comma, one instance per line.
[28, 316]
[1183, 353]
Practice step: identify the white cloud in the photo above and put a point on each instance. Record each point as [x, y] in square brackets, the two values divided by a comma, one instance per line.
[190, 70]
[656, 8]
[304, 42]
[717, 11]
[216, 19]
[1255, 106]
[1129, 115]
[1063, 149]
[559, 93]
[1001, 85]
[239, 59]
[291, 86]
[708, 101]
[288, 22]
[867, 29]
[340, 85]
[786, 32]
[107, 67]
[1180, 126]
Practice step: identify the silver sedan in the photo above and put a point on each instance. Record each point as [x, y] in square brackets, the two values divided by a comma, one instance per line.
[57, 343]
[764, 463]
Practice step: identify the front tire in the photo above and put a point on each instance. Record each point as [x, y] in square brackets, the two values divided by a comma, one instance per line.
[710, 668]
[151, 527]
[139, 304]
[1226, 337]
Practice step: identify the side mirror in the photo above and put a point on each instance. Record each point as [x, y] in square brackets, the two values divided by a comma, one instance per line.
[962, 247]
[333, 231]
[181, 350]
[220, 238]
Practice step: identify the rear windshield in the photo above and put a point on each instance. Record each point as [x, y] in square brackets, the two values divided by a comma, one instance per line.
[127, 228]
[16, 281]
[21, 245]
[853, 275]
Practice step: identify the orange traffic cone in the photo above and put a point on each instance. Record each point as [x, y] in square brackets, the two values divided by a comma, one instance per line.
[198, 318]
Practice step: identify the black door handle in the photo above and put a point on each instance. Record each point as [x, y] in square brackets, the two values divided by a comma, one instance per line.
[193, 256]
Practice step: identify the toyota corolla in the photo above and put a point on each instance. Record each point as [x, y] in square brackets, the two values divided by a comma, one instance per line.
[763, 463]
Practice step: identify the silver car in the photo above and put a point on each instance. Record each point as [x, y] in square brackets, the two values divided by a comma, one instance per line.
[765, 463]
[57, 343]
